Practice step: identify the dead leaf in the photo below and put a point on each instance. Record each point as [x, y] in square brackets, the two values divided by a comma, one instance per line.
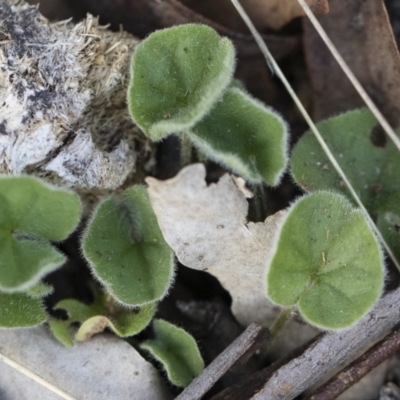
[141, 17]
[103, 368]
[264, 13]
[207, 228]
[362, 33]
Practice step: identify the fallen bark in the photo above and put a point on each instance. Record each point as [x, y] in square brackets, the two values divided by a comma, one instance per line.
[359, 368]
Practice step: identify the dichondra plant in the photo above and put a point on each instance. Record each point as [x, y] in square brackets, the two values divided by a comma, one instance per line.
[122, 243]
[182, 83]
[177, 75]
[326, 262]
[126, 249]
[372, 168]
[28, 211]
[94, 318]
[32, 213]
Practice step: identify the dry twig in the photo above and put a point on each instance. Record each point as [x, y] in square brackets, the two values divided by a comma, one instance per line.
[239, 351]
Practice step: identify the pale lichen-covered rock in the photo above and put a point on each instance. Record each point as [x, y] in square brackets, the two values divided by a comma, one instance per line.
[63, 113]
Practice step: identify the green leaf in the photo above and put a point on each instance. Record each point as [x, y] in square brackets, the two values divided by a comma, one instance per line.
[179, 84]
[326, 261]
[127, 251]
[177, 351]
[244, 135]
[32, 213]
[31, 207]
[372, 170]
[77, 312]
[95, 318]
[40, 290]
[125, 324]
[177, 75]
[18, 310]
[60, 330]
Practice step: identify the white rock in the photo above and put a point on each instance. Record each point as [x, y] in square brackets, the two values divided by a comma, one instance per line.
[102, 368]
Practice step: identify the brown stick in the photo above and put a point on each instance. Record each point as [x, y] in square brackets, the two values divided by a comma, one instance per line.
[246, 388]
[359, 368]
[325, 354]
[239, 351]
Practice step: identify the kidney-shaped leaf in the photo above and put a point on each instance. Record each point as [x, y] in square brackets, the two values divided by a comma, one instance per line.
[245, 136]
[177, 75]
[326, 261]
[177, 351]
[126, 249]
[18, 310]
[32, 213]
[370, 162]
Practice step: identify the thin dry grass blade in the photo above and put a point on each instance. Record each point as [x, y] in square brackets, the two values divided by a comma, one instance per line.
[30, 374]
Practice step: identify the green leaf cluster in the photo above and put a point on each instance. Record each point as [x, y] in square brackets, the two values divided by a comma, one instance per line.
[128, 255]
[181, 83]
[371, 166]
[95, 318]
[122, 243]
[29, 209]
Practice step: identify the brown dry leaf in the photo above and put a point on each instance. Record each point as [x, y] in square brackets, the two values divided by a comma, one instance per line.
[141, 17]
[362, 33]
[272, 14]
[207, 228]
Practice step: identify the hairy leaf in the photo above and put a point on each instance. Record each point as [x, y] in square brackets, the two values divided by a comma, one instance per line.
[32, 213]
[177, 75]
[244, 135]
[126, 249]
[370, 161]
[18, 310]
[95, 318]
[177, 351]
[40, 290]
[326, 261]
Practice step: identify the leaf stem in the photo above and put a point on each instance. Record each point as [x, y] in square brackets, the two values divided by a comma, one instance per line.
[281, 320]
[186, 149]
[283, 317]
[260, 201]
